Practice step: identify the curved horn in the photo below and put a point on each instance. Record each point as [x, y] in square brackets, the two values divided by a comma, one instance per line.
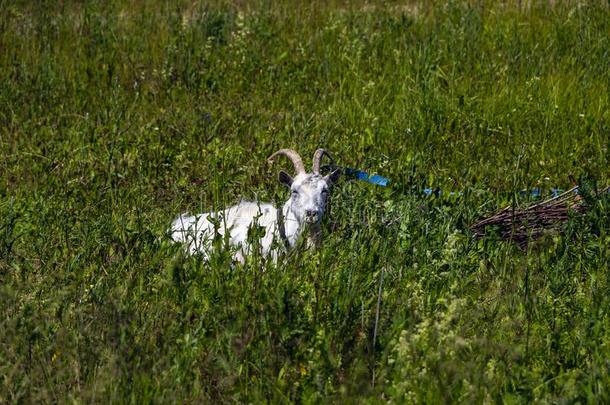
[317, 158]
[292, 155]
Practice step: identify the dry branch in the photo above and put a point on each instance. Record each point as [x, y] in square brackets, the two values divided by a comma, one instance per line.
[522, 225]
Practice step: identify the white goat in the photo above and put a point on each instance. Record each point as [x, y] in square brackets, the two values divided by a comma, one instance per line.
[303, 211]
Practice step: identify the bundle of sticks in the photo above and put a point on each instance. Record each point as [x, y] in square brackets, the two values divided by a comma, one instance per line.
[522, 225]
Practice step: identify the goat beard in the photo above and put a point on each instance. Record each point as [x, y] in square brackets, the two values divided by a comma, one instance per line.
[314, 235]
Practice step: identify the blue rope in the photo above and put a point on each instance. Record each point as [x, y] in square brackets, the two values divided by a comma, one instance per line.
[364, 176]
[384, 181]
[533, 193]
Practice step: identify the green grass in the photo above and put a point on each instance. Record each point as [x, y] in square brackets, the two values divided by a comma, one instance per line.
[117, 116]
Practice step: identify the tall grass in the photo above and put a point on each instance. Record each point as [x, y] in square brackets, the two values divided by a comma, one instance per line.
[116, 116]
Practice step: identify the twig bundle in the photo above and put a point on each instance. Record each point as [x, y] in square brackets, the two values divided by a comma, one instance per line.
[521, 225]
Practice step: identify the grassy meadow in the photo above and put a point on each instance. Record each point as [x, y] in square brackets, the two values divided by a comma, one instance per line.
[117, 116]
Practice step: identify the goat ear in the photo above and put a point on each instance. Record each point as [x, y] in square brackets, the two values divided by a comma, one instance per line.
[333, 177]
[285, 178]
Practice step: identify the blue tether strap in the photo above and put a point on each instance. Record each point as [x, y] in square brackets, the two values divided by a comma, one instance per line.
[384, 181]
[364, 176]
[359, 175]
